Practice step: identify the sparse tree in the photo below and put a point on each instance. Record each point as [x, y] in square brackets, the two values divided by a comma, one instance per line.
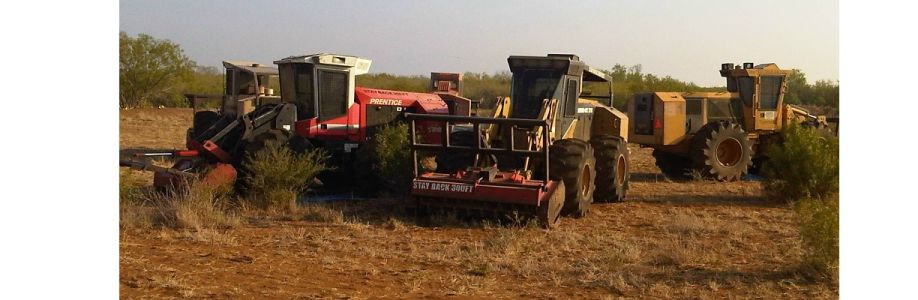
[150, 69]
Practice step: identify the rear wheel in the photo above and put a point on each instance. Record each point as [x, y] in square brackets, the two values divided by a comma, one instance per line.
[612, 168]
[722, 150]
[262, 140]
[572, 162]
[203, 120]
[549, 213]
[671, 165]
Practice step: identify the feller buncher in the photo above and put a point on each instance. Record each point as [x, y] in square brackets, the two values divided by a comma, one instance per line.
[718, 134]
[319, 107]
[550, 149]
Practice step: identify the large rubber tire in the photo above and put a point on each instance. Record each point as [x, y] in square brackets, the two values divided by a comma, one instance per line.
[612, 168]
[449, 162]
[722, 150]
[572, 161]
[260, 141]
[671, 165]
[203, 120]
[549, 213]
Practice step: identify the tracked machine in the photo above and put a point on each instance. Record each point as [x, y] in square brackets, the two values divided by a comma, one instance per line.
[319, 107]
[550, 149]
[720, 135]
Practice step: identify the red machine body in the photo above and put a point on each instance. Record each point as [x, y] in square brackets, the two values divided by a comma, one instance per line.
[505, 187]
[356, 126]
[319, 105]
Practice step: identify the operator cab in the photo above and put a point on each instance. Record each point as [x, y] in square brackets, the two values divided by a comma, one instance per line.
[556, 76]
[761, 93]
[334, 75]
[248, 85]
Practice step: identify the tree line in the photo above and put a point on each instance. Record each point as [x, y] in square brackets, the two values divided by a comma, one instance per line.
[156, 72]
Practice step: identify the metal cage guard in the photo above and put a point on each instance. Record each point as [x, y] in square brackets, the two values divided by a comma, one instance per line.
[447, 120]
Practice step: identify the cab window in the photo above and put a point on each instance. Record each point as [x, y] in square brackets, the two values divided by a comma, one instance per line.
[769, 91]
[570, 107]
[746, 89]
[332, 94]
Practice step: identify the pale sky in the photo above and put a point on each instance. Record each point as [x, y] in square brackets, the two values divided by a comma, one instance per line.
[684, 39]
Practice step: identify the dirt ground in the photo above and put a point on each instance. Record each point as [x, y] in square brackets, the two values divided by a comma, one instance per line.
[670, 239]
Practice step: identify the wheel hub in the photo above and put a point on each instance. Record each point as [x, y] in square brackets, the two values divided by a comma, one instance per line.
[585, 181]
[729, 152]
[620, 170]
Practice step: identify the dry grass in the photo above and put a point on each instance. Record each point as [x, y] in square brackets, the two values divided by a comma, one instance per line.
[321, 213]
[670, 239]
[197, 208]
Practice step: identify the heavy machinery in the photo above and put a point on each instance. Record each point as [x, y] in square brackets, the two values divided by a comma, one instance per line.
[551, 148]
[319, 107]
[717, 134]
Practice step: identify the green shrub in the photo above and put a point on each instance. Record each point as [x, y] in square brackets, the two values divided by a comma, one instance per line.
[278, 175]
[391, 158]
[804, 165]
[804, 169]
[819, 232]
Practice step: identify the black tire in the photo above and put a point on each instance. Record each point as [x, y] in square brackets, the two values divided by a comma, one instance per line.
[722, 150]
[612, 168]
[261, 140]
[671, 165]
[448, 162]
[203, 120]
[299, 144]
[572, 162]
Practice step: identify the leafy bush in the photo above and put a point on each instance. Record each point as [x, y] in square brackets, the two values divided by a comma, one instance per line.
[150, 69]
[819, 232]
[391, 157]
[278, 175]
[804, 165]
[805, 169]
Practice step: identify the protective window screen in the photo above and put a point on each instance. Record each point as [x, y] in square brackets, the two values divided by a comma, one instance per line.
[245, 83]
[570, 107]
[746, 89]
[693, 106]
[332, 94]
[304, 93]
[530, 87]
[228, 87]
[769, 92]
[719, 110]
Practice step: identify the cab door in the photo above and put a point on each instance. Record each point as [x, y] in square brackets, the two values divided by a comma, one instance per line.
[333, 107]
[769, 95]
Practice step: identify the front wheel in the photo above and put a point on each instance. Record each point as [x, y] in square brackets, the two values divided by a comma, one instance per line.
[572, 162]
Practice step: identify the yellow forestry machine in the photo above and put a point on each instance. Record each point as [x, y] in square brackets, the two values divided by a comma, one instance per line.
[721, 135]
[553, 147]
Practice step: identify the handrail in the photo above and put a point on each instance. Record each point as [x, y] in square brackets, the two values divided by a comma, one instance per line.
[477, 147]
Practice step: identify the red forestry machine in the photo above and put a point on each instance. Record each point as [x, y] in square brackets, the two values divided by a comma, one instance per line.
[319, 107]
